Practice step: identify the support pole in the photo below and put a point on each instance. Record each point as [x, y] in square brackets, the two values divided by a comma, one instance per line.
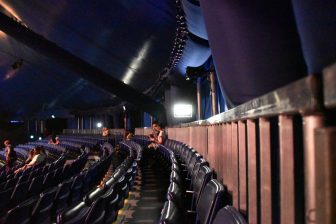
[199, 112]
[213, 93]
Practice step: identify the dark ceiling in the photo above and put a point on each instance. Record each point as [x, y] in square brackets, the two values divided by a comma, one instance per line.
[128, 39]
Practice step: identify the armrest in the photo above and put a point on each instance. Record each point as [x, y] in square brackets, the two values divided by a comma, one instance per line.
[188, 198]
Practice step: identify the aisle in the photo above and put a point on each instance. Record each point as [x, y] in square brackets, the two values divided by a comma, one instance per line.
[146, 198]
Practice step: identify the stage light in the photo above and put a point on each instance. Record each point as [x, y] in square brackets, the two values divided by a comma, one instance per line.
[52, 116]
[99, 125]
[124, 108]
[182, 110]
[40, 138]
[32, 137]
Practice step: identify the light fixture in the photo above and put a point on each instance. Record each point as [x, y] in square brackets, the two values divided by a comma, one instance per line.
[124, 108]
[31, 136]
[182, 110]
[99, 125]
[40, 138]
[52, 116]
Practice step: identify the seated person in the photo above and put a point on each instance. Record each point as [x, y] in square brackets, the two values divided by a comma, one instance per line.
[30, 156]
[105, 132]
[129, 136]
[57, 141]
[37, 159]
[51, 140]
[159, 138]
[10, 155]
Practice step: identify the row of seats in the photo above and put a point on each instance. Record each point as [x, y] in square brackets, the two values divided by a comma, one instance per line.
[28, 185]
[55, 199]
[194, 195]
[101, 204]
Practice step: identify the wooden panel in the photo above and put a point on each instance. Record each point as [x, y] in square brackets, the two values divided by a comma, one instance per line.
[229, 156]
[286, 138]
[325, 175]
[212, 147]
[265, 171]
[225, 156]
[185, 135]
[139, 131]
[148, 131]
[235, 167]
[310, 123]
[199, 139]
[219, 157]
[252, 172]
[242, 168]
[171, 133]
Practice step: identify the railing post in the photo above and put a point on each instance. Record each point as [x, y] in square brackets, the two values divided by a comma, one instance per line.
[310, 123]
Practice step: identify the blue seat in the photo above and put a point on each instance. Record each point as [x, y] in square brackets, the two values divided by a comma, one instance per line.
[21, 213]
[19, 194]
[204, 175]
[96, 213]
[62, 196]
[170, 214]
[211, 200]
[5, 195]
[36, 185]
[76, 189]
[43, 209]
[228, 215]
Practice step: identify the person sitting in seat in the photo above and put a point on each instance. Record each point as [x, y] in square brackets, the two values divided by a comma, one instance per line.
[37, 159]
[105, 132]
[57, 141]
[30, 156]
[10, 155]
[158, 136]
[51, 140]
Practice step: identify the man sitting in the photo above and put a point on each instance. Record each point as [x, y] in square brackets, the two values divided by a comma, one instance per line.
[37, 159]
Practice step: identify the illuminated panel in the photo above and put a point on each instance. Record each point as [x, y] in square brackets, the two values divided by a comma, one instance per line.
[182, 110]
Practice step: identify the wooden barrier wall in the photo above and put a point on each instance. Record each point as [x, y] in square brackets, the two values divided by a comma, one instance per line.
[276, 154]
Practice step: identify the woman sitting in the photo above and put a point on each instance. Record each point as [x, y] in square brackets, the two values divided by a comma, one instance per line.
[37, 159]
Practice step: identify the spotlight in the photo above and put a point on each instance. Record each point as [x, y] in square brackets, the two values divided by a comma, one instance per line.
[52, 116]
[124, 108]
[40, 138]
[99, 125]
[31, 136]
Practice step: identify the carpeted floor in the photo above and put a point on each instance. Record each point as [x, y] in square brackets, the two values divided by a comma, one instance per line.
[146, 198]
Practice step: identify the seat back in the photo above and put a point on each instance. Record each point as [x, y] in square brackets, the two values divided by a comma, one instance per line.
[62, 196]
[21, 213]
[170, 214]
[204, 175]
[36, 185]
[211, 200]
[97, 211]
[19, 193]
[42, 210]
[228, 215]
[175, 195]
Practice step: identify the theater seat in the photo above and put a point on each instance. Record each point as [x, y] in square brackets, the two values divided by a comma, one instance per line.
[228, 215]
[42, 210]
[21, 213]
[211, 200]
[175, 195]
[170, 214]
[74, 215]
[97, 211]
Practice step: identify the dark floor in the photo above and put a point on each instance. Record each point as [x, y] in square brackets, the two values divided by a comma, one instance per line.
[147, 196]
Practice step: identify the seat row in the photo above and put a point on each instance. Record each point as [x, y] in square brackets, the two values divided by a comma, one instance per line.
[194, 195]
[55, 199]
[102, 203]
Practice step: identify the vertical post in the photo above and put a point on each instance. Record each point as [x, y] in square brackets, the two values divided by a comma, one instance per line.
[82, 122]
[199, 113]
[265, 171]
[235, 165]
[252, 172]
[242, 167]
[286, 139]
[213, 93]
[310, 123]
[325, 175]
[36, 127]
